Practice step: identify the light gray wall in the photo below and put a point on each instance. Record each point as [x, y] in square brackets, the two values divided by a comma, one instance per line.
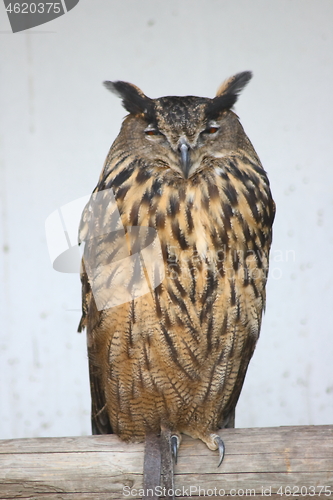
[57, 123]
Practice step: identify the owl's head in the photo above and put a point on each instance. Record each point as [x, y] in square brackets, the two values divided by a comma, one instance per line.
[182, 131]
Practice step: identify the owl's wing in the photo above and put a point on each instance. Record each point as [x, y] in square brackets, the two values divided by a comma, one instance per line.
[91, 316]
[100, 422]
[90, 319]
[228, 415]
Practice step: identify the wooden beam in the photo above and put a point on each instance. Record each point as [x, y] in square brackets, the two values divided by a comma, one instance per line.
[277, 462]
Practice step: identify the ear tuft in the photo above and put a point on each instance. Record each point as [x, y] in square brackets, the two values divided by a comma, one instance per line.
[235, 84]
[228, 93]
[134, 100]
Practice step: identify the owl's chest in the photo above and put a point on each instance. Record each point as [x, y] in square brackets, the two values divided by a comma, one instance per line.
[198, 220]
[186, 215]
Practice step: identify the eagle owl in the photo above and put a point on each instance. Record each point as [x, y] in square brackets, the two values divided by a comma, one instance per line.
[176, 356]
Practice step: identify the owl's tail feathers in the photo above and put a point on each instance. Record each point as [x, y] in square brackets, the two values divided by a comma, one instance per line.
[151, 467]
[160, 456]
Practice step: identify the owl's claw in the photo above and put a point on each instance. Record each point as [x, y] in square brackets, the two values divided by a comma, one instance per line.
[221, 448]
[174, 446]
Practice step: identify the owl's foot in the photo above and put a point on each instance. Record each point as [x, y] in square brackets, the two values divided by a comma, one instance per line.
[220, 444]
[175, 442]
[214, 442]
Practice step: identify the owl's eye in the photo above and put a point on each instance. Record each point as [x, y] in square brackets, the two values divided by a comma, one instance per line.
[211, 130]
[152, 131]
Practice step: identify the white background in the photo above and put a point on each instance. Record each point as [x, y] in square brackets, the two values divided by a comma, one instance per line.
[57, 124]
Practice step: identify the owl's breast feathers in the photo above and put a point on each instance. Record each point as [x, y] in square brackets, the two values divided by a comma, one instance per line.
[177, 356]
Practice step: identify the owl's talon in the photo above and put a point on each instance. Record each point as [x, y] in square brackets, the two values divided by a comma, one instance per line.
[221, 448]
[174, 446]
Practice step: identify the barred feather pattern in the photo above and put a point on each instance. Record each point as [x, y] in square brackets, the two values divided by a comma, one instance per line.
[177, 356]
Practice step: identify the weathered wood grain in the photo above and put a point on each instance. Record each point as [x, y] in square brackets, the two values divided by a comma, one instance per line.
[257, 463]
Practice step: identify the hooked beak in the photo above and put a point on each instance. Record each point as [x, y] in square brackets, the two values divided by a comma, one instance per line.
[184, 150]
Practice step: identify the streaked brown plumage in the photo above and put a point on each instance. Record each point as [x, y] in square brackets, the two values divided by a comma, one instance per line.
[176, 357]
